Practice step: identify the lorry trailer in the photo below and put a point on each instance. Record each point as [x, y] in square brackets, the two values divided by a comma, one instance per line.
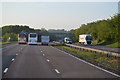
[45, 40]
[85, 39]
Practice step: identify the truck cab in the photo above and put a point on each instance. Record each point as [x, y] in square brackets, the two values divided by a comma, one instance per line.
[67, 40]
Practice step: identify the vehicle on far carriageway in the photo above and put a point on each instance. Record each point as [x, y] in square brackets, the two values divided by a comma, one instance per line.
[85, 39]
[32, 38]
[67, 40]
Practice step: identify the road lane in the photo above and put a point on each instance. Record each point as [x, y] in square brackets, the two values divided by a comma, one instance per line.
[48, 62]
[9, 53]
[31, 64]
[5, 46]
[71, 67]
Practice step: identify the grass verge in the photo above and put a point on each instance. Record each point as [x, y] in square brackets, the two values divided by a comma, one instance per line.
[116, 44]
[107, 43]
[102, 60]
[4, 42]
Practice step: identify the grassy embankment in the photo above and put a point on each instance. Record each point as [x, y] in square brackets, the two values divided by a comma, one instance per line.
[4, 42]
[116, 44]
[8, 42]
[108, 62]
[107, 43]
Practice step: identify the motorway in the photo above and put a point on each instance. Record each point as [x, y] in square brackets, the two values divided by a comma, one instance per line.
[36, 61]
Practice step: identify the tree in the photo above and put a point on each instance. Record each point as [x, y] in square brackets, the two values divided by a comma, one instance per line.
[102, 30]
[12, 36]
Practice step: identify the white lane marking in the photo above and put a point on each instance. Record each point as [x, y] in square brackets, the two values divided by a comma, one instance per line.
[21, 48]
[16, 54]
[5, 70]
[13, 59]
[41, 51]
[48, 60]
[88, 63]
[57, 71]
[43, 54]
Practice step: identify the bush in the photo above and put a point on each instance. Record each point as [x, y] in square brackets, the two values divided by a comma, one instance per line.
[9, 37]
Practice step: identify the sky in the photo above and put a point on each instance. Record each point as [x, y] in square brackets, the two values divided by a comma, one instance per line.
[55, 15]
[60, 0]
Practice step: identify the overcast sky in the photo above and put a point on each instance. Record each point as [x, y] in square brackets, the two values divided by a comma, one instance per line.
[56, 15]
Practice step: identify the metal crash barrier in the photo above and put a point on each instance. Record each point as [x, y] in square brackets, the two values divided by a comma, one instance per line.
[94, 50]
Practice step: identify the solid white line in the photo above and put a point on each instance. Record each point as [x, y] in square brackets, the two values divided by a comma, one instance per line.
[13, 59]
[5, 70]
[88, 63]
[57, 71]
[48, 60]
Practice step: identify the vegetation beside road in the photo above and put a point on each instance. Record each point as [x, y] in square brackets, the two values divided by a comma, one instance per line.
[12, 31]
[96, 58]
[104, 32]
[4, 42]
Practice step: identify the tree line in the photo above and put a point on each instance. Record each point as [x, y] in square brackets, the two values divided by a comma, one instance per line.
[12, 31]
[102, 31]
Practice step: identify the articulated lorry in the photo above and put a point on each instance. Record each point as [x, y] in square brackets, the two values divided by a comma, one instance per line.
[67, 40]
[85, 39]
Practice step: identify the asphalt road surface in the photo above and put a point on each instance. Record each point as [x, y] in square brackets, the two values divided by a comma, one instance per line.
[34, 61]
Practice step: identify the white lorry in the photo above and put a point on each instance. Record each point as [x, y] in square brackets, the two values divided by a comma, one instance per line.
[45, 40]
[67, 40]
[85, 39]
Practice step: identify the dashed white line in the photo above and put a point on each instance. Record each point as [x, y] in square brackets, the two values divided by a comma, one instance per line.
[13, 59]
[48, 60]
[41, 51]
[57, 71]
[88, 63]
[16, 54]
[5, 70]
